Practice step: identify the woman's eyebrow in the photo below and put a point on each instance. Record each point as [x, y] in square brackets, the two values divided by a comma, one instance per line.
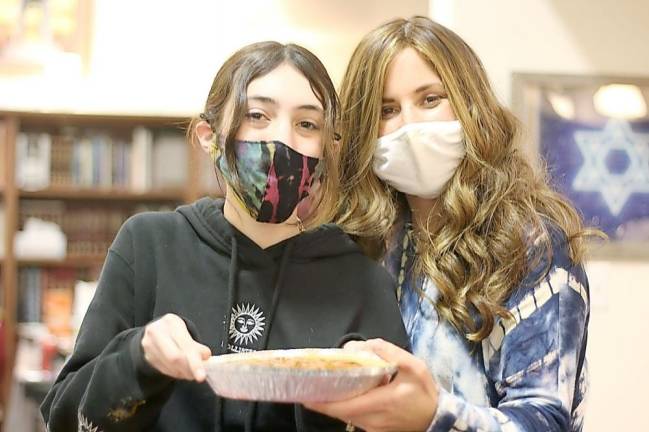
[437, 86]
[263, 99]
[310, 108]
[271, 101]
[431, 86]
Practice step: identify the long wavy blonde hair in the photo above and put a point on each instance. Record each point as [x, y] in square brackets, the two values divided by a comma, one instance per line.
[479, 254]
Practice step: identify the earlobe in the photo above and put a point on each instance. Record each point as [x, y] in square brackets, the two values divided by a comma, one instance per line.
[205, 135]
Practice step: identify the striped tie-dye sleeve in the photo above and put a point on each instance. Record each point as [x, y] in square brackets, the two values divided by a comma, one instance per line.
[535, 360]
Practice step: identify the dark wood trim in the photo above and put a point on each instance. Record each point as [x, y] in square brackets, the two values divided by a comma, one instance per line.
[73, 193]
[99, 119]
[9, 269]
[71, 261]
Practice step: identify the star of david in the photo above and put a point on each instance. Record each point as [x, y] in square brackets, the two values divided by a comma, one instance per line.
[595, 175]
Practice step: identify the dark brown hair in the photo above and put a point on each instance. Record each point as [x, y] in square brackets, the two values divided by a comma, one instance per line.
[227, 102]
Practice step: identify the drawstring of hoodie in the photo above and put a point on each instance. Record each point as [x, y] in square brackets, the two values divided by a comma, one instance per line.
[250, 418]
[232, 296]
[298, 410]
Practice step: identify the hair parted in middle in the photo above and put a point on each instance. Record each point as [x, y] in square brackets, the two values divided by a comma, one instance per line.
[226, 106]
[491, 210]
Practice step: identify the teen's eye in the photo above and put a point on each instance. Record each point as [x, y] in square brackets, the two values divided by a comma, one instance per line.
[256, 116]
[309, 125]
[432, 100]
[388, 112]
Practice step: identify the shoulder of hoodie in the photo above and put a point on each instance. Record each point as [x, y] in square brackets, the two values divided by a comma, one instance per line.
[368, 273]
[155, 223]
[368, 268]
[371, 277]
[147, 229]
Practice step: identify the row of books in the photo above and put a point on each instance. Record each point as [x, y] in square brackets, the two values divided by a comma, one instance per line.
[144, 160]
[47, 296]
[89, 229]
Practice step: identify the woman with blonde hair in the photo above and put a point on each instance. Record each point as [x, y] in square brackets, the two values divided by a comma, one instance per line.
[487, 256]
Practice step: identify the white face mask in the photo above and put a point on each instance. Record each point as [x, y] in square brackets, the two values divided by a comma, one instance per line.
[420, 158]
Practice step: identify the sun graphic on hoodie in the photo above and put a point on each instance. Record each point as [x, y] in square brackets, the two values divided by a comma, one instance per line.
[86, 425]
[247, 323]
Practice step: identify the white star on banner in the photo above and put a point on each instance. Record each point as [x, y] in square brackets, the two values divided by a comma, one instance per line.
[594, 175]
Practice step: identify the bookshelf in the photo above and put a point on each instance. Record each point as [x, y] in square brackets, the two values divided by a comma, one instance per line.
[87, 173]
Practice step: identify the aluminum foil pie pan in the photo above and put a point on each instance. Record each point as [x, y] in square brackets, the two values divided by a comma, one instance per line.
[296, 375]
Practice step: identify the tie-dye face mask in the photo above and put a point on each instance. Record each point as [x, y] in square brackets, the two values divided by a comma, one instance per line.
[273, 177]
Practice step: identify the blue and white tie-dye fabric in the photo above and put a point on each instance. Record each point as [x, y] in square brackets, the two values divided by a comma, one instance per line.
[529, 374]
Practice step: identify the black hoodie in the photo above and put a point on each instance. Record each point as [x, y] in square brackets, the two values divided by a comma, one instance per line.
[308, 291]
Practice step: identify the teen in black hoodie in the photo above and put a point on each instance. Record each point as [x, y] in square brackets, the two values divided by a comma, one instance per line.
[232, 275]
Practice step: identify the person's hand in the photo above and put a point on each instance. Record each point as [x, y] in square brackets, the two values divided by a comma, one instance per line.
[170, 349]
[407, 403]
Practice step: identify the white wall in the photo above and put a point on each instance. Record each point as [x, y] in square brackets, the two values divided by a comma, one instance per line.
[579, 37]
[159, 56]
[555, 36]
[618, 353]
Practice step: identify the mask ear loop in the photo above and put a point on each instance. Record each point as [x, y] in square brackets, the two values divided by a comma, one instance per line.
[300, 225]
[204, 116]
[305, 207]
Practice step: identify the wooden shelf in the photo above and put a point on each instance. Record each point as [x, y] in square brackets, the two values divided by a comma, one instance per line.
[122, 201]
[72, 262]
[94, 119]
[104, 194]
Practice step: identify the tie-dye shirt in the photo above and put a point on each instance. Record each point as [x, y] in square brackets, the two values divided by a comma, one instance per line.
[530, 374]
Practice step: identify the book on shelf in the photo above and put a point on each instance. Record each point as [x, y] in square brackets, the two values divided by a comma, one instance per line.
[121, 161]
[29, 295]
[169, 163]
[61, 157]
[47, 296]
[33, 152]
[143, 160]
[58, 298]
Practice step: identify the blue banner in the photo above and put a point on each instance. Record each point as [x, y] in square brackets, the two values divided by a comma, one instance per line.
[603, 169]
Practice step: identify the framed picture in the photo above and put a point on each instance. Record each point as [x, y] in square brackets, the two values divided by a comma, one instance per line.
[592, 133]
[35, 34]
